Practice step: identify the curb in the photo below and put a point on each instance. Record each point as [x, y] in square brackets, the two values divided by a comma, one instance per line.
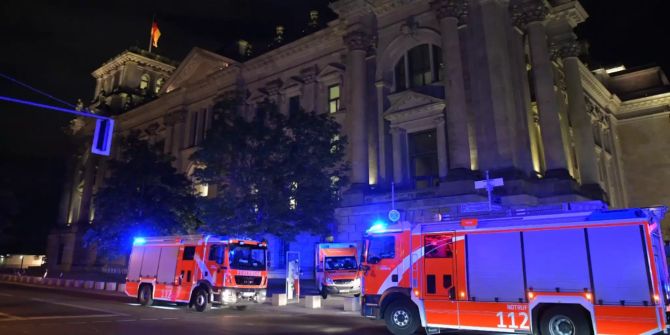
[99, 288]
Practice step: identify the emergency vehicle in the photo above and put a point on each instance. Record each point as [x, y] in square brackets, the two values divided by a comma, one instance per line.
[572, 269]
[337, 269]
[197, 270]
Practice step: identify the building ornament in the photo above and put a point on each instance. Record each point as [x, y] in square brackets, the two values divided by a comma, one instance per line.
[528, 11]
[572, 48]
[308, 75]
[459, 9]
[358, 40]
[175, 117]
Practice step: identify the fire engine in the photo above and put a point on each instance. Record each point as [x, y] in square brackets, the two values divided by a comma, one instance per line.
[337, 269]
[197, 270]
[572, 269]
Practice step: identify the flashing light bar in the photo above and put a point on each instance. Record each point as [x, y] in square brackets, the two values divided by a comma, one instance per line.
[139, 241]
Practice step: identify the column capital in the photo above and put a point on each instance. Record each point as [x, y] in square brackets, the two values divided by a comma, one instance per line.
[357, 40]
[459, 9]
[566, 49]
[308, 75]
[528, 11]
[175, 117]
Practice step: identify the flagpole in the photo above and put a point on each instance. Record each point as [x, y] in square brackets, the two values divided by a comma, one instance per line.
[151, 33]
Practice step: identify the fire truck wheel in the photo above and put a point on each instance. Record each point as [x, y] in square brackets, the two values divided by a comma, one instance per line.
[145, 297]
[563, 320]
[201, 300]
[357, 295]
[324, 294]
[402, 317]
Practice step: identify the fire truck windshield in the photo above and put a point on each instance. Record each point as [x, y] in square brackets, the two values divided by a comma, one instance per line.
[247, 257]
[341, 263]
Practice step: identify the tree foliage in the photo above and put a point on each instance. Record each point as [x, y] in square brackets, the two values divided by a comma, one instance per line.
[273, 173]
[145, 195]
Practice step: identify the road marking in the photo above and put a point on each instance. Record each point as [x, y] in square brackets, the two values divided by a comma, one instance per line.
[150, 319]
[169, 318]
[10, 317]
[101, 321]
[80, 307]
[6, 295]
[131, 320]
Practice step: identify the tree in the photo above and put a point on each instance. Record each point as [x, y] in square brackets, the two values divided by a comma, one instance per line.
[273, 173]
[144, 195]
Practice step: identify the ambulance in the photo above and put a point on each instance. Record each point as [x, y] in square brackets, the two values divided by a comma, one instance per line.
[337, 269]
[198, 270]
[572, 269]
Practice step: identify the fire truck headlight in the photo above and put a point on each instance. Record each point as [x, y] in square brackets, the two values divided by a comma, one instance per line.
[229, 296]
[261, 296]
[329, 281]
[357, 282]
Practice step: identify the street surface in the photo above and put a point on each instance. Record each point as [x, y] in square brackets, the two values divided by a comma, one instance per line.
[34, 310]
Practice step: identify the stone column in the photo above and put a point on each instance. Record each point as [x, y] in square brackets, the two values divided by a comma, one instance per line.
[87, 192]
[400, 173]
[357, 43]
[530, 14]
[442, 148]
[579, 117]
[175, 122]
[451, 13]
[309, 88]
[382, 133]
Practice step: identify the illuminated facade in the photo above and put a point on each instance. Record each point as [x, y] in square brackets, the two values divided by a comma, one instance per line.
[430, 94]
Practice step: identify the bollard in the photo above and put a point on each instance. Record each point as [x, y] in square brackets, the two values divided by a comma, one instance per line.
[69, 282]
[100, 285]
[352, 304]
[110, 286]
[121, 287]
[89, 284]
[78, 284]
[279, 299]
[313, 301]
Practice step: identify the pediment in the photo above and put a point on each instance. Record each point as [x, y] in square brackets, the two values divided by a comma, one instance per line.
[330, 73]
[198, 64]
[407, 103]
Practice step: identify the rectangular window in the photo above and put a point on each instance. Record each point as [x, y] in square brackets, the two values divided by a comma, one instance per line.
[205, 120]
[294, 104]
[381, 247]
[419, 66]
[216, 253]
[437, 62]
[423, 158]
[438, 246]
[194, 129]
[333, 98]
[400, 77]
[189, 253]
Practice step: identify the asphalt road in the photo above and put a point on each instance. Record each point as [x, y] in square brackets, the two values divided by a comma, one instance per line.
[33, 310]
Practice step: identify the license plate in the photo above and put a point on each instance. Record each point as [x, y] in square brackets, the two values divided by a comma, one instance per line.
[345, 291]
[247, 294]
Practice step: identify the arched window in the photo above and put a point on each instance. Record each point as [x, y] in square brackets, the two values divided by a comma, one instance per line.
[418, 67]
[144, 81]
[159, 84]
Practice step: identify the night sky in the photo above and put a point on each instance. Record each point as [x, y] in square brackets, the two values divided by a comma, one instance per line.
[55, 45]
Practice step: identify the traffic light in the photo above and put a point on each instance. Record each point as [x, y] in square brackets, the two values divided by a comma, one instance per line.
[102, 138]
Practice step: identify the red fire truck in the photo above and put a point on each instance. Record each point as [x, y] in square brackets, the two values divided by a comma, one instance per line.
[198, 270]
[337, 269]
[551, 271]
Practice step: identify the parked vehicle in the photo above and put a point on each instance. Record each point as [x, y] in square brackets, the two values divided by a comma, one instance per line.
[198, 270]
[573, 270]
[337, 269]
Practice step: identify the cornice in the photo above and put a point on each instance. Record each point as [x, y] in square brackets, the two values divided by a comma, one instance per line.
[128, 56]
[571, 12]
[656, 102]
[596, 90]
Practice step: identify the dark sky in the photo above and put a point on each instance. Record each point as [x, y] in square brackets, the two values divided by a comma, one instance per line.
[55, 45]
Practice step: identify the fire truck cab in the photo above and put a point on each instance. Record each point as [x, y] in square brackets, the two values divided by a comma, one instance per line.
[337, 269]
[575, 269]
[197, 270]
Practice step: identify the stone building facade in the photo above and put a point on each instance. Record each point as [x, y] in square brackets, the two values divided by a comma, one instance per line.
[430, 94]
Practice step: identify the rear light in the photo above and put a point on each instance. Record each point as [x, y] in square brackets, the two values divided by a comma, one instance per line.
[588, 296]
[462, 294]
[531, 295]
[416, 293]
[656, 298]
